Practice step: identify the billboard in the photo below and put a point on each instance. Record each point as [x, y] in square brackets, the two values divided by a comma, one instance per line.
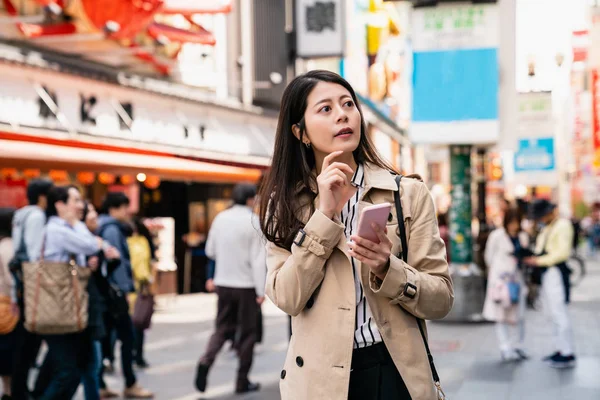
[455, 74]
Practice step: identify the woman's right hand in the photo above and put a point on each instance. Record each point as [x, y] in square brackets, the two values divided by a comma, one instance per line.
[333, 183]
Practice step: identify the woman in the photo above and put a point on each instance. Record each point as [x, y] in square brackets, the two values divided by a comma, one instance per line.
[9, 311]
[353, 302]
[141, 264]
[503, 245]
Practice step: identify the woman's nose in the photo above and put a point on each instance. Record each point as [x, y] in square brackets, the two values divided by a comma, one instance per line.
[342, 115]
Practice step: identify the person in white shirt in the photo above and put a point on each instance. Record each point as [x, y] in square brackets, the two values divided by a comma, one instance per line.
[236, 244]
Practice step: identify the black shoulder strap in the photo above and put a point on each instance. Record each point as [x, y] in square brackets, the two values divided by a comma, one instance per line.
[402, 228]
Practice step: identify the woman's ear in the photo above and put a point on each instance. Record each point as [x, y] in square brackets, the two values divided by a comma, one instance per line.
[296, 131]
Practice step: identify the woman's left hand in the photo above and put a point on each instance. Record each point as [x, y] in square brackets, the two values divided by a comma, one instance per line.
[374, 255]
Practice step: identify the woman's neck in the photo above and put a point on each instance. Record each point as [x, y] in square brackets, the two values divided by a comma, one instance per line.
[346, 158]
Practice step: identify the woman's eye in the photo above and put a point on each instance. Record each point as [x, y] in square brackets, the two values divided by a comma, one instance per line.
[326, 109]
[349, 103]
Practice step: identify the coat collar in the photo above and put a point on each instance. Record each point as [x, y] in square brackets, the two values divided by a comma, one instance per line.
[379, 178]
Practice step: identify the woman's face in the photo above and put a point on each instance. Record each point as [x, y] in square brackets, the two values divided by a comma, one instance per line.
[513, 227]
[91, 219]
[331, 119]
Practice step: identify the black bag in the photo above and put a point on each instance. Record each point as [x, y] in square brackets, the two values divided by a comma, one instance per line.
[400, 216]
[116, 302]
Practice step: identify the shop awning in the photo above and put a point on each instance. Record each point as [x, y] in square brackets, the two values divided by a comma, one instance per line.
[20, 154]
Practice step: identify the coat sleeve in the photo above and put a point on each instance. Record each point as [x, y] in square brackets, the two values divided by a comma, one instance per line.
[423, 287]
[292, 277]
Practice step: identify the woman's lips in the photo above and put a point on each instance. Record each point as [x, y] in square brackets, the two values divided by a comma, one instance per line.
[344, 133]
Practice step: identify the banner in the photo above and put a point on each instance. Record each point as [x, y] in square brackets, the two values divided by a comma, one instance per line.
[535, 157]
[455, 78]
[596, 117]
[320, 28]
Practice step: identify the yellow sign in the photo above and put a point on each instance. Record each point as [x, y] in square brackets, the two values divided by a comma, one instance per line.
[597, 159]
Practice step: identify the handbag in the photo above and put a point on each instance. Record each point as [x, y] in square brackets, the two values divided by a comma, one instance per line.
[400, 216]
[143, 309]
[56, 297]
[116, 302]
[514, 291]
[8, 320]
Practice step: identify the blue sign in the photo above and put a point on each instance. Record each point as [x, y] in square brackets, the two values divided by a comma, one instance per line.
[459, 85]
[535, 155]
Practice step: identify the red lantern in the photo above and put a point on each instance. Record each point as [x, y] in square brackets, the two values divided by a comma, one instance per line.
[31, 173]
[105, 178]
[126, 179]
[86, 178]
[131, 15]
[9, 173]
[59, 175]
[152, 182]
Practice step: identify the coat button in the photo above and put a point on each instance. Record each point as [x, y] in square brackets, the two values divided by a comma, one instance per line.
[310, 303]
[299, 361]
[283, 374]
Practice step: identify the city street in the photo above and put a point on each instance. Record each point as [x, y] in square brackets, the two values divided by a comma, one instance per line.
[466, 354]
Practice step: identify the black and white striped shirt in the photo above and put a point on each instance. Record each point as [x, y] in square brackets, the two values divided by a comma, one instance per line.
[366, 332]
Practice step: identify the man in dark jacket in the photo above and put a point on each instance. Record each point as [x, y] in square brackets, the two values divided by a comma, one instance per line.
[114, 229]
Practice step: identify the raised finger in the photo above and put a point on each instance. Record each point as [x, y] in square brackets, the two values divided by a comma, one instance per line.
[329, 158]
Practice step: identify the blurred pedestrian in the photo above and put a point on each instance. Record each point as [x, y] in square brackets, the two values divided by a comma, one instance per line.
[593, 231]
[554, 245]
[96, 329]
[114, 228]
[66, 237]
[9, 309]
[143, 275]
[444, 233]
[506, 295]
[239, 280]
[27, 236]
[356, 304]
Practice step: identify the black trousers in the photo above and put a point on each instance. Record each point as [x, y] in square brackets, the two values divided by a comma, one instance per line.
[60, 374]
[374, 376]
[124, 329]
[26, 348]
[237, 310]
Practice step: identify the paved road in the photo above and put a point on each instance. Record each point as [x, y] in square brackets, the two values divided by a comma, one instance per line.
[466, 354]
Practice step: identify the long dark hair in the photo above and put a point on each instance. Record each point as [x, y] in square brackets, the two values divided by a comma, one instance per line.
[291, 175]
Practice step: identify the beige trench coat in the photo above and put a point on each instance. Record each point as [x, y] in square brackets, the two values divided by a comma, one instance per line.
[314, 284]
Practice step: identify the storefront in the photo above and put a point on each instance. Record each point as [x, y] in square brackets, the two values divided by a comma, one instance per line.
[175, 151]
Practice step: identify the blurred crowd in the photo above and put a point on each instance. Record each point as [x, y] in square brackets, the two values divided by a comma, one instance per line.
[77, 280]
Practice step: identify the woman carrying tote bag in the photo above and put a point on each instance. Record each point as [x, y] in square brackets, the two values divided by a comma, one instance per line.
[356, 305]
[506, 290]
[66, 239]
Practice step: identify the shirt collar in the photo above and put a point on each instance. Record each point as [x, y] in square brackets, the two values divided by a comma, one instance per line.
[358, 179]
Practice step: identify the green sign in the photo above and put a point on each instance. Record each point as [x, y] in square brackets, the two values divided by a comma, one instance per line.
[461, 248]
[459, 17]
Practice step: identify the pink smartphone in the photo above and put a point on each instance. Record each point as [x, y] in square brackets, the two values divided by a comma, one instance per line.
[377, 214]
